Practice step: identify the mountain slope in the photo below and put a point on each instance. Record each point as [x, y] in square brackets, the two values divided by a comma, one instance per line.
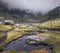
[28, 17]
[19, 16]
[53, 14]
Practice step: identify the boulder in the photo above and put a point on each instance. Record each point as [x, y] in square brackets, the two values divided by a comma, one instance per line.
[9, 22]
[35, 39]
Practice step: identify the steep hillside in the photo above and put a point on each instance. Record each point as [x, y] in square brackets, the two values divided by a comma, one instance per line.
[17, 15]
[53, 14]
[23, 16]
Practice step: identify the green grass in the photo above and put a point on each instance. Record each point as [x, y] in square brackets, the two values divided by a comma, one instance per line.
[5, 27]
[15, 33]
[51, 24]
[54, 40]
[13, 52]
[1, 35]
[11, 36]
[53, 36]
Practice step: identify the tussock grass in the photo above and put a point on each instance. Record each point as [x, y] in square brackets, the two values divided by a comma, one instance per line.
[5, 27]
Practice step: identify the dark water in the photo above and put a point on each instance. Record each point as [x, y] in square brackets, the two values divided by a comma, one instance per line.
[4, 36]
[21, 45]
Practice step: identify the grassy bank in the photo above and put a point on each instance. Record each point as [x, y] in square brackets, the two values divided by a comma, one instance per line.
[51, 24]
[12, 35]
[5, 27]
[40, 51]
[1, 35]
[54, 40]
[32, 51]
[13, 52]
[53, 36]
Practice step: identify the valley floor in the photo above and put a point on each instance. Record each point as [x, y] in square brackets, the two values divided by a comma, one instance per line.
[13, 32]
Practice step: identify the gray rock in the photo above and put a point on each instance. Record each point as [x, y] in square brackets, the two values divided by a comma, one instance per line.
[35, 39]
[9, 21]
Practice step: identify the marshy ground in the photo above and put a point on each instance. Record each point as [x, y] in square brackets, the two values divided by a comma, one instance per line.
[13, 32]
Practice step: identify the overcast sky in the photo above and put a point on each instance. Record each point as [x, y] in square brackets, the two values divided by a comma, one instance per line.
[33, 5]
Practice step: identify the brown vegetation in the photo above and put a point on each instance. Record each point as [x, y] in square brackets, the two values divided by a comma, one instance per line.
[40, 51]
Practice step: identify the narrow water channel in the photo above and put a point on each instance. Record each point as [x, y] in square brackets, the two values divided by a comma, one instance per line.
[21, 45]
[4, 36]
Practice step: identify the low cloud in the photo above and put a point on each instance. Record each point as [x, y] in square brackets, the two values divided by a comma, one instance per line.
[42, 6]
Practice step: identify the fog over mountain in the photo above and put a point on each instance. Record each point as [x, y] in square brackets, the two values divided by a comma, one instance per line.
[42, 6]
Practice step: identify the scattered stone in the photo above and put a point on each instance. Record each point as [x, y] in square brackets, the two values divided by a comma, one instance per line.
[17, 25]
[20, 39]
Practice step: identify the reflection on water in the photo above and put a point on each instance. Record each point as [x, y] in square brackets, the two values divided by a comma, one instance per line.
[20, 44]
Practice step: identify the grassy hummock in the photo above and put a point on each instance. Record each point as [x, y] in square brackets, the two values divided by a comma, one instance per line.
[1, 35]
[54, 40]
[5, 27]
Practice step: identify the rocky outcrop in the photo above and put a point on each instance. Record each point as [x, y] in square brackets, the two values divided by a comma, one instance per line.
[9, 22]
[35, 39]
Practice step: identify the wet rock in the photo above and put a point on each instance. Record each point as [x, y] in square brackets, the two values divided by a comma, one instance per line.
[35, 39]
[20, 39]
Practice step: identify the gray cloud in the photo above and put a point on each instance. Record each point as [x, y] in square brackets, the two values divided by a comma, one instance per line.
[33, 5]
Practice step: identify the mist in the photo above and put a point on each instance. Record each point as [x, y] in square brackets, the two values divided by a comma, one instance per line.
[42, 6]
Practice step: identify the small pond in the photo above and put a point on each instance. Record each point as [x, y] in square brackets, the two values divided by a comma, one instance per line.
[21, 45]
